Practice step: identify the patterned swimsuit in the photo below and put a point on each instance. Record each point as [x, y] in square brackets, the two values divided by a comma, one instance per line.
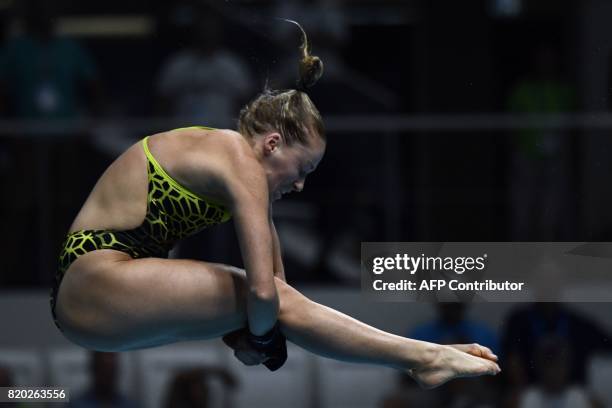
[173, 213]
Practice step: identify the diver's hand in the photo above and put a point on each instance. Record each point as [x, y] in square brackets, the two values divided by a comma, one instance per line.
[448, 362]
[253, 350]
[273, 344]
[243, 351]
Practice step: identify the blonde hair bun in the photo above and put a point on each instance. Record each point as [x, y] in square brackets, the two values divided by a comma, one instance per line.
[311, 66]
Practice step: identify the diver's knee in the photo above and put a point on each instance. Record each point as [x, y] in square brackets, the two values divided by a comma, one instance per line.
[289, 298]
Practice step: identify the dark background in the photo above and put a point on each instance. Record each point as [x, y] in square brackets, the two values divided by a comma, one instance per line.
[447, 121]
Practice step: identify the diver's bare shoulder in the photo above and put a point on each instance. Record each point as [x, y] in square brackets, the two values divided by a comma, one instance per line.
[226, 167]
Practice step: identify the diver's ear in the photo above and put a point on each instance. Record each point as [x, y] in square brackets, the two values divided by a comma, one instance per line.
[272, 141]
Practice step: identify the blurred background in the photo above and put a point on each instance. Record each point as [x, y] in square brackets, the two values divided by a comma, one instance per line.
[486, 120]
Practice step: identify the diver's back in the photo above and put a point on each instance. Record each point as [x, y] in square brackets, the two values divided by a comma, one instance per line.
[119, 198]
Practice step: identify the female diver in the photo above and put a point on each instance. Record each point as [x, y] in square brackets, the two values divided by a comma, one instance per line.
[115, 290]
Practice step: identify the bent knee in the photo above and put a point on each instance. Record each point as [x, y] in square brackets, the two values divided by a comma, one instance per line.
[289, 298]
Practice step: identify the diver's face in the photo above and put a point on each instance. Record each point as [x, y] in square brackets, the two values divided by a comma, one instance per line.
[288, 166]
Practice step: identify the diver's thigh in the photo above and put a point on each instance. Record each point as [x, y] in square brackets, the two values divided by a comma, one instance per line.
[118, 304]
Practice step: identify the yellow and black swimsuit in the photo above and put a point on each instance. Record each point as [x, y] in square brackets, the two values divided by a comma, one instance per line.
[173, 213]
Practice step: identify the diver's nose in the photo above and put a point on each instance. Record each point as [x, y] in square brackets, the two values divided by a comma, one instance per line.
[298, 185]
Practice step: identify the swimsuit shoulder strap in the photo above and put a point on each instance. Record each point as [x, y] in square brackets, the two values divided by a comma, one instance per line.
[147, 152]
[196, 127]
[160, 170]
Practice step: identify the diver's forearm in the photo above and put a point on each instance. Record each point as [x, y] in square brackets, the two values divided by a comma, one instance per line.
[262, 312]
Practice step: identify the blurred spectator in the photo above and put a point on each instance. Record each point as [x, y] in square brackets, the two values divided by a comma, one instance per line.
[6, 380]
[43, 75]
[539, 179]
[452, 327]
[103, 390]
[206, 83]
[527, 327]
[553, 388]
[190, 388]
